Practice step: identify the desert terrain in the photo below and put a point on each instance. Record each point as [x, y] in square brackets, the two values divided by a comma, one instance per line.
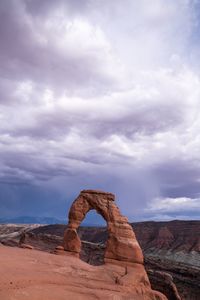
[171, 250]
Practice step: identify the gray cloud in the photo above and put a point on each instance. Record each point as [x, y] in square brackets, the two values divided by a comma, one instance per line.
[98, 95]
[34, 49]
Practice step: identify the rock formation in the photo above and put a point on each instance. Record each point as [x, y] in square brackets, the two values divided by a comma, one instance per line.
[164, 282]
[37, 275]
[122, 247]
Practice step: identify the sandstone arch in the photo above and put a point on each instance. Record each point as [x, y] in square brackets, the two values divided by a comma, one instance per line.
[123, 255]
[121, 244]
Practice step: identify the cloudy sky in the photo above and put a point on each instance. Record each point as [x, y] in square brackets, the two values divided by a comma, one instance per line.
[100, 94]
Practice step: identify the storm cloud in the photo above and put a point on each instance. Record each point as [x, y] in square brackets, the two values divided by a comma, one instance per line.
[100, 94]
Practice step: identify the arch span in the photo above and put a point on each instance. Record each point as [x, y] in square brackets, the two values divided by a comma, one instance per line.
[121, 244]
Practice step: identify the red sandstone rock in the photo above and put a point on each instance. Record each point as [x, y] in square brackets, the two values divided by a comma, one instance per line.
[121, 244]
[122, 248]
[164, 281]
[26, 246]
[37, 275]
[60, 248]
[72, 241]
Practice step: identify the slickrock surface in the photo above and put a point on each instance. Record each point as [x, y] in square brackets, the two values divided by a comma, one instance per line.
[36, 275]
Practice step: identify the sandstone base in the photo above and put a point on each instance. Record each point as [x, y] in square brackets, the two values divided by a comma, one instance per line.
[37, 275]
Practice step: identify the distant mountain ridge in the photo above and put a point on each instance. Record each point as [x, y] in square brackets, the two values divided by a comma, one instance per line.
[42, 220]
[32, 220]
[94, 220]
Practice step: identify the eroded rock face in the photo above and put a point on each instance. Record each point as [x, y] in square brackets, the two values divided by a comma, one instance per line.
[121, 244]
[122, 248]
[164, 282]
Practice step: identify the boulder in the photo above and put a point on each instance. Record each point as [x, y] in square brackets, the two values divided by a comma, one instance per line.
[26, 246]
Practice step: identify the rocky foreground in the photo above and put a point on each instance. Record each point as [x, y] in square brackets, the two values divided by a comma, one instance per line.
[35, 275]
[171, 249]
[27, 273]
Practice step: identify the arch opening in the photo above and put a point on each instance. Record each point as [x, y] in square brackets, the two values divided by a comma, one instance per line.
[93, 219]
[93, 235]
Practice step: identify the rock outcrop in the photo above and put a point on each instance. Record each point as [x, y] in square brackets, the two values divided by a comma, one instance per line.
[164, 282]
[121, 244]
[122, 248]
[37, 275]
